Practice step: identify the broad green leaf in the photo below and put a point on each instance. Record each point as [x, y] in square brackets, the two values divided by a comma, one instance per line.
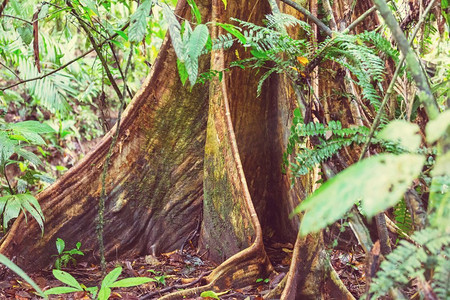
[26, 204]
[30, 156]
[3, 201]
[379, 182]
[66, 278]
[33, 126]
[26, 33]
[209, 294]
[12, 210]
[13, 267]
[133, 281]
[32, 137]
[122, 34]
[111, 277]
[104, 293]
[61, 290]
[60, 245]
[197, 41]
[437, 127]
[402, 132]
[192, 69]
[442, 165]
[182, 72]
[44, 11]
[235, 31]
[195, 11]
[174, 31]
[138, 27]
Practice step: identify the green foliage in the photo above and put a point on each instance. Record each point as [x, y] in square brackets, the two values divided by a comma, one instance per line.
[408, 261]
[13, 267]
[64, 257]
[404, 134]
[187, 43]
[330, 138]
[110, 281]
[13, 140]
[393, 174]
[138, 27]
[210, 294]
[402, 217]
[12, 205]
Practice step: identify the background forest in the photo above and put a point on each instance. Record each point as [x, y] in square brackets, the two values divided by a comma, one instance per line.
[359, 165]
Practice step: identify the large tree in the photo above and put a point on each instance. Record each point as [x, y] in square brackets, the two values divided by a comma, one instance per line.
[209, 155]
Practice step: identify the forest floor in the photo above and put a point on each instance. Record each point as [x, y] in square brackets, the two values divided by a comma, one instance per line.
[171, 271]
[174, 271]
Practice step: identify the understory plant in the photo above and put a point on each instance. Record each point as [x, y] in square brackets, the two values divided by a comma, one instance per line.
[16, 142]
[65, 257]
[108, 283]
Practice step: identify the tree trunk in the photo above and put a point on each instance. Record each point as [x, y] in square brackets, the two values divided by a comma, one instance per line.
[210, 155]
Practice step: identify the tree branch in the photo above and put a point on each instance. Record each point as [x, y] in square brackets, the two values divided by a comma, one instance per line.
[97, 50]
[9, 69]
[390, 89]
[65, 65]
[310, 16]
[413, 64]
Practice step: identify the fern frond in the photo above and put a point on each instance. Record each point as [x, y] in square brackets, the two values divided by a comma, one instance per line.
[409, 261]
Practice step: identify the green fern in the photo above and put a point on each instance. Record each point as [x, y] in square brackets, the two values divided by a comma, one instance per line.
[331, 139]
[410, 261]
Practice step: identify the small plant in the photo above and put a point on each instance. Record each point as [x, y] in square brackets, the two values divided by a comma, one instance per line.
[159, 278]
[14, 138]
[110, 281]
[64, 257]
[262, 280]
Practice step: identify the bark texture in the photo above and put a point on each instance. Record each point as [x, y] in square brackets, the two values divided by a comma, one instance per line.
[213, 155]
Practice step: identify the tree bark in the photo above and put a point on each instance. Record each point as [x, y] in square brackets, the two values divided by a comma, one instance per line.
[213, 155]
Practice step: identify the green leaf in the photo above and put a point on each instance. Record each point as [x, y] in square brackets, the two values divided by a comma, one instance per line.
[31, 126]
[402, 132]
[60, 245]
[379, 181]
[12, 266]
[12, 210]
[174, 31]
[225, 3]
[138, 27]
[182, 72]
[192, 69]
[30, 156]
[133, 281]
[195, 11]
[209, 294]
[104, 293]
[66, 278]
[235, 31]
[26, 33]
[44, 11]
[61, 290]
[26, 201]
[197, 41]
[437, 127]
[111, 277]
